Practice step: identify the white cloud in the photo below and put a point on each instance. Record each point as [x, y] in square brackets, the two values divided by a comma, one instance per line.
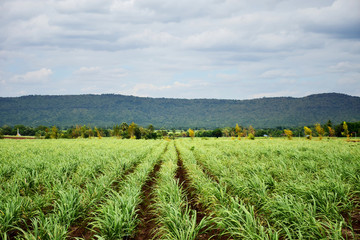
[277, 73]
[234, 49]
[39, 76]
[341, 18]
[345, 67]
[88, 70]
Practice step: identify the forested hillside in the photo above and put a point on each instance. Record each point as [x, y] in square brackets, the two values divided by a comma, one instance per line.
[109, 109]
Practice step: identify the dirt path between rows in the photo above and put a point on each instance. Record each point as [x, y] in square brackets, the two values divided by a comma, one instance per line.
[201, 211]
[147, 227]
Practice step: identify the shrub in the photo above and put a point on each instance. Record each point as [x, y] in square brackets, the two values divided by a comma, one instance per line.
[251, 136]
[288, 133]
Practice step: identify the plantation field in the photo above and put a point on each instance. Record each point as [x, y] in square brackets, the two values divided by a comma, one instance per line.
[181, 189]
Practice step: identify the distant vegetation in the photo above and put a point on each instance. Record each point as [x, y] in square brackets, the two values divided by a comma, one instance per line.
[108, 110]
[136, 131]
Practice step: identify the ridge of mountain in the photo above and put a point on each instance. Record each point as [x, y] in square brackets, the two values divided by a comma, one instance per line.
[107, 110]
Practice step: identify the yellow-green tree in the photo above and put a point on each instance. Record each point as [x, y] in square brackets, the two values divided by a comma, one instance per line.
[308, 133]
[288, 133]
[331, 132]
[319, 130]
[238, 131]
[346, 131]
[131, 130]
[54, 132]
[252, 130]
[191, 133]
[91, 133]
[251, 133]
[97, 133]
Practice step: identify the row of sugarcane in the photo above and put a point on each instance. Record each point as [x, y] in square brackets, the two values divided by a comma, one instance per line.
[47, 198]
[300, 191]
[251, 191]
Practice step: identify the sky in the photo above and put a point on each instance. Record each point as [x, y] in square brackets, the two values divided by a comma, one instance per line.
[228, 49]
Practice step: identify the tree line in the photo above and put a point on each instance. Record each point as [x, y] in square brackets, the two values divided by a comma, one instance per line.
[135, 131]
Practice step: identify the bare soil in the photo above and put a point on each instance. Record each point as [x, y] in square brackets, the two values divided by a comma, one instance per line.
[19, 138]
[81, 229]
[147, 227]
[353, 219]
[201, 211]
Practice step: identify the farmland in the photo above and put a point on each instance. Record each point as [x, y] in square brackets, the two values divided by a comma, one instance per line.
[180, 189]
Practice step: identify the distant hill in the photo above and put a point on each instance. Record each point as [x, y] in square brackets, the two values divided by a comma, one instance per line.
[109, 109]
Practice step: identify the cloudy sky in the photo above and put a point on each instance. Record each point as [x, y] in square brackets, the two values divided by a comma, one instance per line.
[231, 49]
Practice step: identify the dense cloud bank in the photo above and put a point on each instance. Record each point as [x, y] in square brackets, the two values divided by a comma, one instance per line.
[213, 49]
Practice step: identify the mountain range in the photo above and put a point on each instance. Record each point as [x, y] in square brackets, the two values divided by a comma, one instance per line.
[107, 110]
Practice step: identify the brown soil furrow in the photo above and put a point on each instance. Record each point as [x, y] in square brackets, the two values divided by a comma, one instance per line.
[353, 219]
[201, 211]
[147, 227]
[81, 230]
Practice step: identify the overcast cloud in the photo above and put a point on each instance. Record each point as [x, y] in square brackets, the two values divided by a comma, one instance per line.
[232, 49]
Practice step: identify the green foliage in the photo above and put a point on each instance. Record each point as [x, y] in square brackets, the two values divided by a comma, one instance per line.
[108, 109]
[346, 130]
[46, 228]
[217, 133]
[264, 189]
[10, 213]
[176, 219]
[67, 207]
[251, 136]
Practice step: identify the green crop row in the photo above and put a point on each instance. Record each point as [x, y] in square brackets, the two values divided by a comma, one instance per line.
[301, 190]
[176, 219]
[47, 186]
[264, 189]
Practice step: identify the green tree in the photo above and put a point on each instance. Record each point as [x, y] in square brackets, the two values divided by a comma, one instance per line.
[150, 128]
[217, 133]
[137, 132]
[124, 126]
[116, 131]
